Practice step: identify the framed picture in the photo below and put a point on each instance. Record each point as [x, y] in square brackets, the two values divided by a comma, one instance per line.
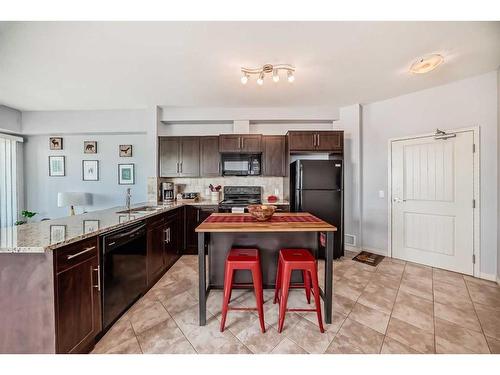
[90, 170]
[55, 143]
[90, 147]
[126, 174]
[125, 151]
[57, 233]
[125, 218]
[57, 166]
[90, 226]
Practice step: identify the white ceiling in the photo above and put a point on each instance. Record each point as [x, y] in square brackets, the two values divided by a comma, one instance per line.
[109, 65]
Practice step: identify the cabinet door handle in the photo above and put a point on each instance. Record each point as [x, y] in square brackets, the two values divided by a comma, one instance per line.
[169, 238]
[98, 270]
[197, 216]
[177, 167]
[181, 166]
[80, 253]
[165, 237]
[240, 141]
[317, 137]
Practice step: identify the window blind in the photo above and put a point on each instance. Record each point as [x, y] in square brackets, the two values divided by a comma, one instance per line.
[9, 183]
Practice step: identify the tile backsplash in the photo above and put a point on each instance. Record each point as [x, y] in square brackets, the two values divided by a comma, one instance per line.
[199, 185]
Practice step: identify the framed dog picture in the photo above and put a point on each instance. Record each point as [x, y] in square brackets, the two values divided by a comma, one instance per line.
[125, 151]
[57, 167]
[90, 147]
[90, 170]
[55, 143]
[126, 174]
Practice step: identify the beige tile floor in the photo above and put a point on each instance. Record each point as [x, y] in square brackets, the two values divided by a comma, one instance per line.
[396, 307]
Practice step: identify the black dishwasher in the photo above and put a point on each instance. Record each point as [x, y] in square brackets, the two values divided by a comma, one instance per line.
[124, 274]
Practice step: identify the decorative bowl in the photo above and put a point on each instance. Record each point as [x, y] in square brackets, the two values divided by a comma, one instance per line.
[261, 212]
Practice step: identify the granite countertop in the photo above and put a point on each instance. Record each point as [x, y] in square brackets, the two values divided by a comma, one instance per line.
[47, 235]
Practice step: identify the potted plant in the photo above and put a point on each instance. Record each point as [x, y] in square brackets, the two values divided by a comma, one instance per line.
[27, 215]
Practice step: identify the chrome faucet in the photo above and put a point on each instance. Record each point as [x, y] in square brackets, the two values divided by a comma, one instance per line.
[127, 199]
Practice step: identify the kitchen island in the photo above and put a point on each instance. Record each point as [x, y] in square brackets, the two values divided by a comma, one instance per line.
[221, 231]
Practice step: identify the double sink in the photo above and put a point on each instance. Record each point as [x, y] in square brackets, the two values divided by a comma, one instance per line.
[141, 210]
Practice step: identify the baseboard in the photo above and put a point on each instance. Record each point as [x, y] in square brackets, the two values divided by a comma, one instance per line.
[486, 276]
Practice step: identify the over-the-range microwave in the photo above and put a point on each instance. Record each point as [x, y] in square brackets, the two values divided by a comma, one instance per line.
[241, 164]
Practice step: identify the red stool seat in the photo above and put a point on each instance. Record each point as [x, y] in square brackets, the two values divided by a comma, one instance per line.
[290, 260]
[243, 259]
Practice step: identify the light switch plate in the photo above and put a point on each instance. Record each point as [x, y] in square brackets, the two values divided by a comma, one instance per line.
[381, 194]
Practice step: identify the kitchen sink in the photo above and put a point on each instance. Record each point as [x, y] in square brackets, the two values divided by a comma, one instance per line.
[142, 209]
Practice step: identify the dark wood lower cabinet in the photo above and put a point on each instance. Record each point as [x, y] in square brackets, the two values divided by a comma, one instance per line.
[78, 300]
[155, 248]
[194, 216]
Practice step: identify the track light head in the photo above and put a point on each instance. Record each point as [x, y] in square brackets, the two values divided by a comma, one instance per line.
[290, 76]
[244, 78]
[276, 76]
[260, 80]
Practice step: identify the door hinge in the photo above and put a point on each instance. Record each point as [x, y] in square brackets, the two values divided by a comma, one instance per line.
[473, 203]
[473, 148]
[473, 258]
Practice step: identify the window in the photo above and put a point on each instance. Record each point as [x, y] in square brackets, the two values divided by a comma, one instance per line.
[10, 183]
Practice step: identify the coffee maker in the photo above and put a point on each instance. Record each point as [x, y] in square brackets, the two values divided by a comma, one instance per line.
[167, 192]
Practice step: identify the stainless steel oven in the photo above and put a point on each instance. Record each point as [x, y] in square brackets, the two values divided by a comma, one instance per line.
[241, 164]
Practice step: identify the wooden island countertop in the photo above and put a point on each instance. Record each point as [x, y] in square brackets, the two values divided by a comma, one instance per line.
[279, 222]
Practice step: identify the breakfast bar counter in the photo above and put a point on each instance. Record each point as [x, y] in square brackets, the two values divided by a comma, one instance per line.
[222, 231]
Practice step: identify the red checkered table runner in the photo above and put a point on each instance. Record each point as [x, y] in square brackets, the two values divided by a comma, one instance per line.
[274, 219]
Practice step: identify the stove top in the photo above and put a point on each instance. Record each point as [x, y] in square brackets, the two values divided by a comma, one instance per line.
[241, 196]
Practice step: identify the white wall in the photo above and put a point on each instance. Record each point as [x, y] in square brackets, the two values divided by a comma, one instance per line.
[41, 190]
[10, 120]
[460, 104]
[109, 129]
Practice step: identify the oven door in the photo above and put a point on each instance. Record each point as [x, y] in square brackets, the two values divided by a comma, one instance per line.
[236, 165]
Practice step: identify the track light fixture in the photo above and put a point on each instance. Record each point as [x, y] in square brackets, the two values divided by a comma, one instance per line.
[268, 69]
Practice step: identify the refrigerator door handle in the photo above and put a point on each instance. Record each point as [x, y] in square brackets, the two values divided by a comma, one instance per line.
[300, 176]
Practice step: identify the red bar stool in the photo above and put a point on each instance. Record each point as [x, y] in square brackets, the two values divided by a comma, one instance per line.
[243, 259]
[288, 261]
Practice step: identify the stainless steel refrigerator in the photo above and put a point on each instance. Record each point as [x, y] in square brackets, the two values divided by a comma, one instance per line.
[316, 186]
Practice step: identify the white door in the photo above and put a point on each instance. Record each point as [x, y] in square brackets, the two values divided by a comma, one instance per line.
[432, 201]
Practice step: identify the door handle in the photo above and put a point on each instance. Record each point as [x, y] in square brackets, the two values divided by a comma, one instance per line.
[98, 270]
[398, 200]
[80, 253]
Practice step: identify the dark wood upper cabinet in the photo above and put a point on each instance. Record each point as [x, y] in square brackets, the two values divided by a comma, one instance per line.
[301, 141]
[77, 297]
[179, 156]
[251, 143]
[328, 141]
[274, 155]
[189, 157]
[244, 143]
[169, 156]
[209, 156]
